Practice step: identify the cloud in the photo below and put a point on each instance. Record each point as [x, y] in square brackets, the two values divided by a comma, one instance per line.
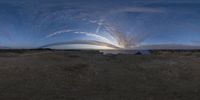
[88, 42]
[136, 10]
[93, 35]
[58, 33]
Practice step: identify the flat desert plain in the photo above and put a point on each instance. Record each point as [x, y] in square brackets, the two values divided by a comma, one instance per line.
[87, 75]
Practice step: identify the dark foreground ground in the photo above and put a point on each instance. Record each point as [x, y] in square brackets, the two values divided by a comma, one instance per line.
[75, 75]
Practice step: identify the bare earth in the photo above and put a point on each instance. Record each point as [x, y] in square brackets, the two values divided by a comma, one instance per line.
[75, 75]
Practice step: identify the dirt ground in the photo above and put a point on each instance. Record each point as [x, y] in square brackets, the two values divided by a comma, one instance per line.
[75, 75]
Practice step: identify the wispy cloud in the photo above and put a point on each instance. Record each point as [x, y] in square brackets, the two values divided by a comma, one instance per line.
[58, 33]
[88, 42]
[89, 34]
[136, 10]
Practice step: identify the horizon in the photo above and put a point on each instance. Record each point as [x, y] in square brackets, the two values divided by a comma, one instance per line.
[144, 47]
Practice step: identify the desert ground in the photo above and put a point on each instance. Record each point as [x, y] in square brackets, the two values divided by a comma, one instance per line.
[89, 75]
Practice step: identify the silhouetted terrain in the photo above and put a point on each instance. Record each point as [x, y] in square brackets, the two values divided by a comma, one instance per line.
[90, 75]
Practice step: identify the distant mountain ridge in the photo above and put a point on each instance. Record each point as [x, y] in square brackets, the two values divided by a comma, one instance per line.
[3, 47]
[167, 46]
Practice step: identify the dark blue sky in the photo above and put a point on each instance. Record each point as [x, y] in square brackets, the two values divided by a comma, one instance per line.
[35, 23]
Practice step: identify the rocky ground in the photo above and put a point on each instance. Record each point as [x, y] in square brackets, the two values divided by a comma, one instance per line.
[78, 75]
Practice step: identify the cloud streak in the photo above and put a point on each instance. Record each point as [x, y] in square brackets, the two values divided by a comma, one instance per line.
[88, 42]
[98, 37]
[137, 10]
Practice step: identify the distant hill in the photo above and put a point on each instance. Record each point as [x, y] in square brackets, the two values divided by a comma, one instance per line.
[3, 47]
[168, 46]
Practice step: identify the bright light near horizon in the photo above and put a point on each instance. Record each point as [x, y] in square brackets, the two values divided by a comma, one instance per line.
[81, 46]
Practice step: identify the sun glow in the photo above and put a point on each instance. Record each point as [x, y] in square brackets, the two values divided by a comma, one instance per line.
[115, 39]
[82, 46]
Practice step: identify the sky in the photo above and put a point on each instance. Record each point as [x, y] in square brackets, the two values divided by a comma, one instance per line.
[98, 24]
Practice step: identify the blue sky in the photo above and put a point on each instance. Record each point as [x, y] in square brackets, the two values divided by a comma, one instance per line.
[35, 23]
